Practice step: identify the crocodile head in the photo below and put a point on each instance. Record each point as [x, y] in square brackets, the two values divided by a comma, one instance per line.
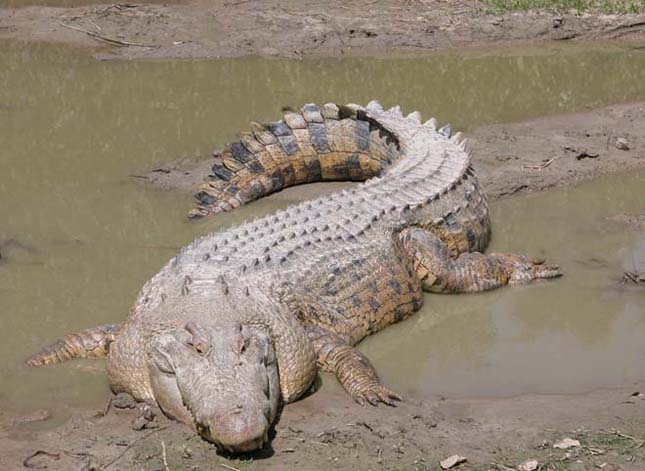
[222, 380]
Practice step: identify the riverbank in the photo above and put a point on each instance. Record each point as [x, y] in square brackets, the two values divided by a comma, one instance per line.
[327, 429]
[298, 29]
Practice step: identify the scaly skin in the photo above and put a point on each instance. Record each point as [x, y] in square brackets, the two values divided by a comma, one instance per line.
[322, 275]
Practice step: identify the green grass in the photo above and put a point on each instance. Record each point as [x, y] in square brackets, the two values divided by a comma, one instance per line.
[600, 6]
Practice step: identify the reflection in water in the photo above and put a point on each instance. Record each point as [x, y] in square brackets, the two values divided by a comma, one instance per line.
[72, 130]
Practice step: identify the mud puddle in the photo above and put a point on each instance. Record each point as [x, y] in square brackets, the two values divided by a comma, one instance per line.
[72, 130]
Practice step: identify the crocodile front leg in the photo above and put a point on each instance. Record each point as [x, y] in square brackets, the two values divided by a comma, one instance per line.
[353, 370]
[469, 272]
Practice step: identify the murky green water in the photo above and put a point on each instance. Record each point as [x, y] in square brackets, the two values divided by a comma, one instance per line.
[83, 236]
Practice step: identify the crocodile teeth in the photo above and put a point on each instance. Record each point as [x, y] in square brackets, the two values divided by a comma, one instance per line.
[374, 106]
[431, 123]
[445, 130]
[456, 138]
[415, 116]
[396, 111]
[462, 144]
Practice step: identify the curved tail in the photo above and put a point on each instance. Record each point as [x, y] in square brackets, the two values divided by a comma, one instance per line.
[89, 343]
[318, 143]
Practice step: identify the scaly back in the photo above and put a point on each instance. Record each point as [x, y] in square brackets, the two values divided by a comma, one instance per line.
[408, 164]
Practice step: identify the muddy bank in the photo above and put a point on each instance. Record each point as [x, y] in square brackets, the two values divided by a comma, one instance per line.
[297, 29]
[328, 429]
[510, 159]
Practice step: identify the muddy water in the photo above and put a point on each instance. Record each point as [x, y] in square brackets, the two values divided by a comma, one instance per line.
[79, 236]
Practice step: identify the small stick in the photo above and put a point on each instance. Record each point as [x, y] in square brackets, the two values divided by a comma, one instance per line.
[105, 38]
[98, 28]
[228, 467]
[542, 166]
[132, 444]
[326, 431]
[622, 435]
[163, 455]
[108, 405]
[502, 467]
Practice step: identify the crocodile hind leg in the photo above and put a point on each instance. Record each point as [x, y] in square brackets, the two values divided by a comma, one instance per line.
[89, 343]
[441, 272]
[353, 370]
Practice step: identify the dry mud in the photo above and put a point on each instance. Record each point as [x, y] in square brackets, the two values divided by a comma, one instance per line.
[299, 28]
[327, 429]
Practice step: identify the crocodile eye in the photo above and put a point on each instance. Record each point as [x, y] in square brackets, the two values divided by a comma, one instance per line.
[198, 343]
[201, 348]
[243, 345]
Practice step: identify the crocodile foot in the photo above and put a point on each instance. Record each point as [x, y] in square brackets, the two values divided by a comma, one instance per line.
[525, 269]
[373, 393]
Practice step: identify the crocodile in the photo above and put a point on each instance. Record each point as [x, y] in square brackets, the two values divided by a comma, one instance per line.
[240, 321]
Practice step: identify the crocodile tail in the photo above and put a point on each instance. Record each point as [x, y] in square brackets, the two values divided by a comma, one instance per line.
[89, 343]
[318, 143]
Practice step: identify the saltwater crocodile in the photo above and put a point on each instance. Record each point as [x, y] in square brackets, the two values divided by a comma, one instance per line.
[241, 318]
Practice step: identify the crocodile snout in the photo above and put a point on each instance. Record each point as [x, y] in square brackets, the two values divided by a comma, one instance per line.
[237, 431]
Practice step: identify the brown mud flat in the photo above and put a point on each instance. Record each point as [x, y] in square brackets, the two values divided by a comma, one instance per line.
[296, 29]
[328, 429]
[514, 158]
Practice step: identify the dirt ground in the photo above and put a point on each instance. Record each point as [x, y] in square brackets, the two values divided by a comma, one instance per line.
[326, 429]
[299, 28]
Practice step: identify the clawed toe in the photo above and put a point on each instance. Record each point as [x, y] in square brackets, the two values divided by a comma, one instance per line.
[547, 271]
[377, 393]
[530, 270]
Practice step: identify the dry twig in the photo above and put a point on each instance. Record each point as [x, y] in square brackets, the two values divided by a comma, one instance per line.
[105, 466]
[228, 467]
[502, 467]
[105, 38]
[542, 166]
[163, 455]
[622, 435]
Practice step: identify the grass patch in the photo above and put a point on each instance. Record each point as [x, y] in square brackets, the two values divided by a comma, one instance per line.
[597, 6]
